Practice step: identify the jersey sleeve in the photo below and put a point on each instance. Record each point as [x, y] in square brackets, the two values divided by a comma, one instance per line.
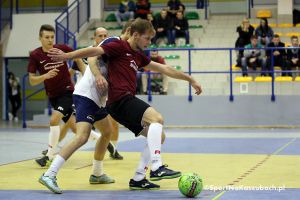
[144, 60]
[32, 64]
[113, 49]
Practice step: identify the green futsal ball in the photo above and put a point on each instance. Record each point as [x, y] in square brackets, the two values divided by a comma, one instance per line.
[190, 184]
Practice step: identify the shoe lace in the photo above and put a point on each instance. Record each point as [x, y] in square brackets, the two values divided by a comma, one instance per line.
[54, 180]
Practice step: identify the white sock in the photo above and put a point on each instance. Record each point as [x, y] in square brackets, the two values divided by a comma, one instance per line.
[140, 172]
[154, 143]
[55, 166]
[53, 140]
[94, 135]
[97, 167]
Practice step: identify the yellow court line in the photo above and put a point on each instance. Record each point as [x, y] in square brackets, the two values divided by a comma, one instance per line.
[218, 196]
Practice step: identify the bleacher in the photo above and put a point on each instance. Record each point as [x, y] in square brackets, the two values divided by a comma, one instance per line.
[217, 32]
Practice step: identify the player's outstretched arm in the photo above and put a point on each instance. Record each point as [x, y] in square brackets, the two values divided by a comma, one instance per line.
[171, 72]
[59, 55]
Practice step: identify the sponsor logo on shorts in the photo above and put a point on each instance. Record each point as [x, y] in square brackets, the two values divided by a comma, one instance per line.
[60, 108]
[90, 117]
[157, 152]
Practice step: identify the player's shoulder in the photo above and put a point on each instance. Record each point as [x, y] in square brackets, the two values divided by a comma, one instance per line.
[63, 47]
[110, 39]
[36, 52]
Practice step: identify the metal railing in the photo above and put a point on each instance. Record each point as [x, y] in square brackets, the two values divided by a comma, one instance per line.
[70, 21]
[230, 72]
[25, 98]
[190, 71]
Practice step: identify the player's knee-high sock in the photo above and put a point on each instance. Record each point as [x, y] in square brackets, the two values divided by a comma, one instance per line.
[94, 135]
[55, 166]
[140, 172]
[154, 143]
[53, 140]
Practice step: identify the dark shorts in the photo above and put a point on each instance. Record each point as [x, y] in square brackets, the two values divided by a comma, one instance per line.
[63, 104]
[129, 112]
[87, 110]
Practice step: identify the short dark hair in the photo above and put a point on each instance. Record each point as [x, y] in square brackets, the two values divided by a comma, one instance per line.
[141, 26]
[294, 37]
[127, 25]
[253, 37]
[46, 27]
[276, 36]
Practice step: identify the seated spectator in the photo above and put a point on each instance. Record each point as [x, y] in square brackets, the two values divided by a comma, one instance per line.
[253, 58]
[151, 19]
[173, 7]
[293, 55]
[245, 31]
[180, 28]
[163, 27]
[142, 9]
[264, 32]
[278, 55]
[155, 57]
[125, 12]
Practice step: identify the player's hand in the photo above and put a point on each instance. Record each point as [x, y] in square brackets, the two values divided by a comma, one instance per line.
[101, 83]
[57, 54]
[52, 73]
[197, 87]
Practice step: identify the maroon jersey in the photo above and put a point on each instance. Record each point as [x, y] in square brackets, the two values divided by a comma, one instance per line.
[123, 64]
[58, 85]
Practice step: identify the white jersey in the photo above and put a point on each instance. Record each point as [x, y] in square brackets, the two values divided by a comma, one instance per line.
[87, 85]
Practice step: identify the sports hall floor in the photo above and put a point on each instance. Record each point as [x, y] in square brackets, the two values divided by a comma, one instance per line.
[233, 163]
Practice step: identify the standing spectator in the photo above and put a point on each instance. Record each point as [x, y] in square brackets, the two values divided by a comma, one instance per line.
[142, 9]
[173, 7]
[293, 55]
[180, 27]
[253, 57]
[163, 27]
[278, 55]
[245, 31]
[264, 32]
[14, 95]
[156, 58]
[125, 12]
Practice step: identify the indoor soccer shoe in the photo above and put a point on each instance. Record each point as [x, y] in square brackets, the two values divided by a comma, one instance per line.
[43, 161]
[103, 179]
[50, 183]
[142, 185]
[116, 156]
[163, 173]
[45, 152]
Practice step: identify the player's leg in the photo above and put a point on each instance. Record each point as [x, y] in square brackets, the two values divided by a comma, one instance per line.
[105, 127]
[52, 140]
[49, 177]
[62, 110]
[112, 146]
[85, 118]
[130, 115]
[155, 136]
